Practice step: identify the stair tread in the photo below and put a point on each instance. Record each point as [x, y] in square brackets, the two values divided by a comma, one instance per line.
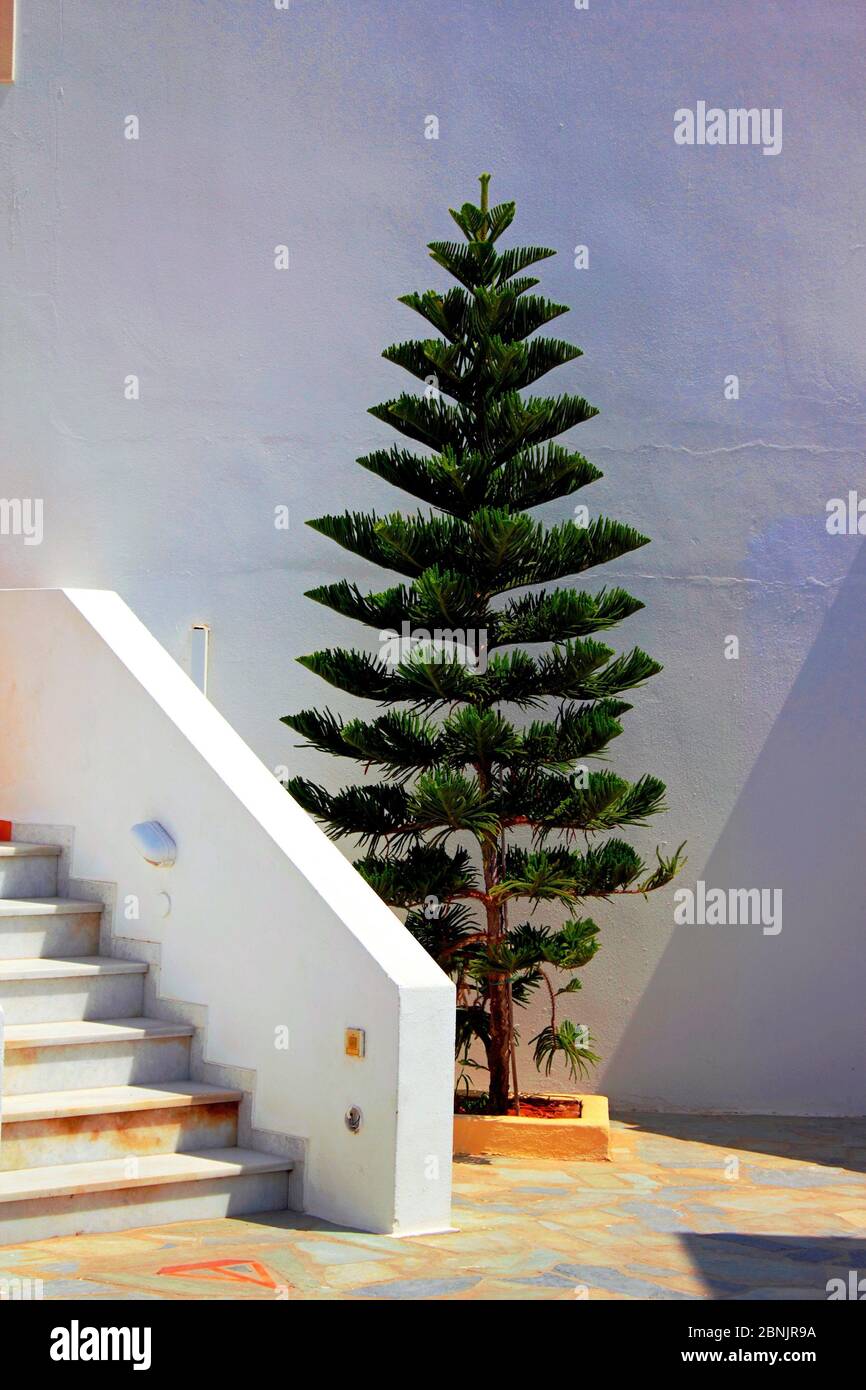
[70, 1179]
[93, 1031]
[21, 849]
[63, 967]
[109, 1100]
[45, 907]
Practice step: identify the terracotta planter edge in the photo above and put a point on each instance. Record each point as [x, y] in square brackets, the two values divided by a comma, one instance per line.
[519, 1136]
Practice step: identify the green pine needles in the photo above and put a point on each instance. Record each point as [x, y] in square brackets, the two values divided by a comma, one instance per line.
[476, 815]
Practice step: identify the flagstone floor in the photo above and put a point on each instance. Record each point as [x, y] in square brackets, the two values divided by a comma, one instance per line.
[690, 1208]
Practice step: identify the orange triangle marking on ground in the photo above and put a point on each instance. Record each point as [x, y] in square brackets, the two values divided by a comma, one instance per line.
[254, 1273]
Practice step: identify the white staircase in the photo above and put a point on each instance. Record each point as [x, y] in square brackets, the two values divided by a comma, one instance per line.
[102, 1129]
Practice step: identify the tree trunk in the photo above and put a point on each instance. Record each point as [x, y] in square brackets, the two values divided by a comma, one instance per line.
[499, 1046]
[499, 1043]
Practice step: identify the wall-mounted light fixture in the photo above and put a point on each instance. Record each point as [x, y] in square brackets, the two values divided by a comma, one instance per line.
[7, 40]
[154, 843]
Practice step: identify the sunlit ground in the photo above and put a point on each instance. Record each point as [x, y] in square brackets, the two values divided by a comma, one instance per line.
[690, 1208]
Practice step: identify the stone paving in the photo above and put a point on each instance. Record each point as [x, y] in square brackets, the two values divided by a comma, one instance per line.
[690, 1208]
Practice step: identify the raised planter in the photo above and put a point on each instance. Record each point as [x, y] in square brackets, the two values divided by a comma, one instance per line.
[519, 1136]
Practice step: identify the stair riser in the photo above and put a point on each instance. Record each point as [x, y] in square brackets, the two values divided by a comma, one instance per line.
[73, 1068]
[89, 1138]
[59, 1001]
[74, 934]
[32, 877]
[128, 1208]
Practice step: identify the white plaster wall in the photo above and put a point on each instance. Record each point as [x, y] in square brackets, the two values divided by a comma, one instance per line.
[269, 927]
[306, 127]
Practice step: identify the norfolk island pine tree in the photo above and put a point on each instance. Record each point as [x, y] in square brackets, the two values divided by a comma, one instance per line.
[476, 814]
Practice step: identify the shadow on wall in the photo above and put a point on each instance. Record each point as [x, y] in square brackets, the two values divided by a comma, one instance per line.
[775, 1020]
[777, 1268]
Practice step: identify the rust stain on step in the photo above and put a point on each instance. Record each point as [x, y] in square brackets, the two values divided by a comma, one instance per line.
[131, 1132]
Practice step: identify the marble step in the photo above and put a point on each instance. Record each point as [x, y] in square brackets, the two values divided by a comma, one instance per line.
[28, 871]
[32, 927]
[73, 1054]
[112, 1121]
[117, 1194]
[55, 989]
